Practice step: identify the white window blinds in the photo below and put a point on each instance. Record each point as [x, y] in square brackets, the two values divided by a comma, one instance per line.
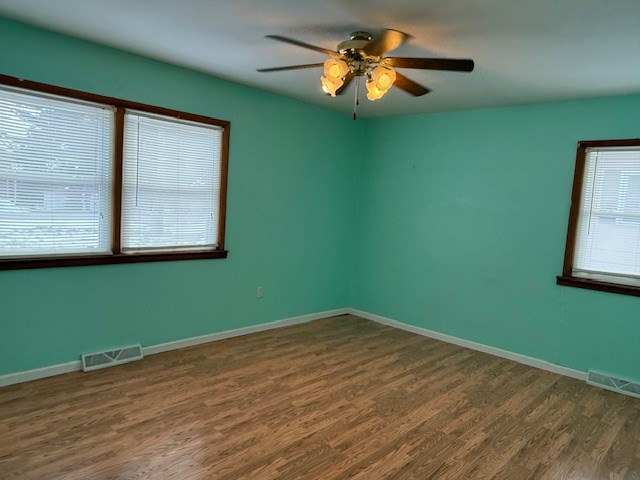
[171, 184]
[55, 175]
[608, 230]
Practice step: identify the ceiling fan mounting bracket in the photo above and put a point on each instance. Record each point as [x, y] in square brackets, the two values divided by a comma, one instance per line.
[361, 35]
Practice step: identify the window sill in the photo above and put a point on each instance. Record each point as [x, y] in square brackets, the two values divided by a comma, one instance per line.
[78, 261]
[598, 285]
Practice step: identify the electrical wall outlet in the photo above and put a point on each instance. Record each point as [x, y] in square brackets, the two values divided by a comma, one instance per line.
[260, 292]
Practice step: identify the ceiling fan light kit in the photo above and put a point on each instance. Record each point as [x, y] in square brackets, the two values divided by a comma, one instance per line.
[335, 71]
[380, 80]
[363, 56]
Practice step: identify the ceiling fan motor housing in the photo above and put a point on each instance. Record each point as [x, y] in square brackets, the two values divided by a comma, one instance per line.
[358, 41]
[352, 52]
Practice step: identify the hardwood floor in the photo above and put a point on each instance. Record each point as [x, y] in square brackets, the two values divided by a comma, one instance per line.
[335, 399]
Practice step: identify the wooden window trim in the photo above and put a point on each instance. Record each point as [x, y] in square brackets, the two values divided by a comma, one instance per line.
[567, 278]
[117, 256]
[84, 260]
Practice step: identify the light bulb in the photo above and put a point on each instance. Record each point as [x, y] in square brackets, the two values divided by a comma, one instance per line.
[384, 81]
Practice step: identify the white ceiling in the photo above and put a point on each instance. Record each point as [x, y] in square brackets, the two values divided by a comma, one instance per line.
[525, 51]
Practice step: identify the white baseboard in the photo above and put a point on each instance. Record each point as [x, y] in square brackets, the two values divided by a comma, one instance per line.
[75, 365]
[37, 373]
[67, 367]
[212, 337]
[524, 359]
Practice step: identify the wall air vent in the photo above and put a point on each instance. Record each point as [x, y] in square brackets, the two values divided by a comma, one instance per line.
[109, 358]
[614, 384]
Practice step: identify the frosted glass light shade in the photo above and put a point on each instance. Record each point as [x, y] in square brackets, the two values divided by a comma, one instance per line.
[382, 79]
[330, 86]
[335, 69]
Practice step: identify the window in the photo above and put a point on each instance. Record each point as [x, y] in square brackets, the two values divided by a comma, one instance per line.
[171, 184]
[603, 239]
[86, 179]
[55, 176]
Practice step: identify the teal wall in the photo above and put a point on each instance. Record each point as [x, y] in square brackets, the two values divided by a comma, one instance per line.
[290, 217]
[462, 227]
[454, 222]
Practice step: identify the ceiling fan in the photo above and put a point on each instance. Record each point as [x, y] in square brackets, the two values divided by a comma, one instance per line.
[363, 56]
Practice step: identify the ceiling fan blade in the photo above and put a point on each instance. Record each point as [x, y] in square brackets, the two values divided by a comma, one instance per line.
[387, 41]
[347, 80]
[409, 86]
[290, 67]
[303, 45]
[453, 64]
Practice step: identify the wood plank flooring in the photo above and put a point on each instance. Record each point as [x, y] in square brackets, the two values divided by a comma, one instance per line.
[334, 399]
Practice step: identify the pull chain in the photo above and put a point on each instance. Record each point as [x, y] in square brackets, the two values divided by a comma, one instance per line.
[356, 100]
